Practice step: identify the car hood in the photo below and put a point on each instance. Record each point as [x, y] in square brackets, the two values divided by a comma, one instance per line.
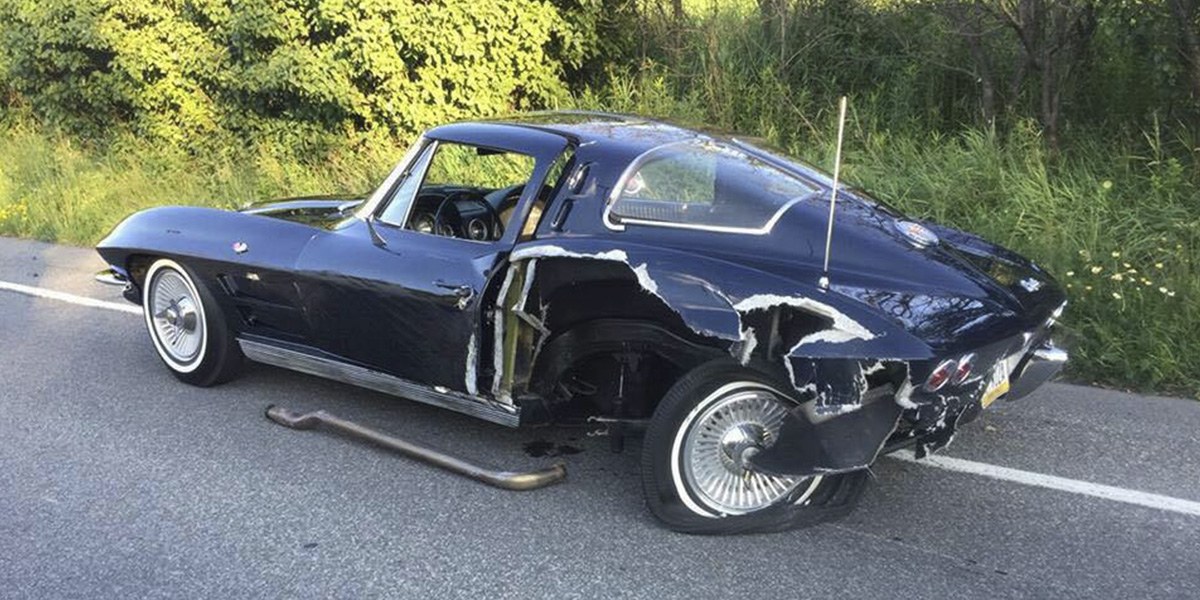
[318, 211]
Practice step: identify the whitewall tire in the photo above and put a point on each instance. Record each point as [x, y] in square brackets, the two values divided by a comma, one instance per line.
[186, 326]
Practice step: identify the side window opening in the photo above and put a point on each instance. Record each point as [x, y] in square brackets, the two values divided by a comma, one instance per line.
[400, 198]
[461, 191]
[555, 178]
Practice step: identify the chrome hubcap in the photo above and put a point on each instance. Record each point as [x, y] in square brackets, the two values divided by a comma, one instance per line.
[719, 445]
[177, 322]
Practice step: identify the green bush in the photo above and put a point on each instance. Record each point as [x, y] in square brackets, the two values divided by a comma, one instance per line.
[179, 71]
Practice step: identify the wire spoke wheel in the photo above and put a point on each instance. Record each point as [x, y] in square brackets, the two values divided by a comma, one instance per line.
[720, 437]
[175, 316]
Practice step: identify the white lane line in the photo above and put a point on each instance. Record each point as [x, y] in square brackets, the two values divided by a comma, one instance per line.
[1074, 486]
[72, 298]
[948, 463]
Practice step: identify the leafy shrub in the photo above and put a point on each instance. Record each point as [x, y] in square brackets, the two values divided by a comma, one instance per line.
[181, 70]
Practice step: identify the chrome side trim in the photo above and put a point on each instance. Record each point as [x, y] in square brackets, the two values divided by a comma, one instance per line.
[367, 208]
[381, 382]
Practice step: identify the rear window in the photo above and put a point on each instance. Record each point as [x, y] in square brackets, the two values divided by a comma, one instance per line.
[705, 184]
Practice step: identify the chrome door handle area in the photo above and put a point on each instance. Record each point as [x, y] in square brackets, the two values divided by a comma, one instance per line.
[459, 290]
[463, 292]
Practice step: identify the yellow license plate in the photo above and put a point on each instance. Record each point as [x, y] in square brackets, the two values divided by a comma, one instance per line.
[990, 396]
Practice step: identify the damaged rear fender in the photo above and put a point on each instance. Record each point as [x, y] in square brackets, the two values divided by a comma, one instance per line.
[821, 342]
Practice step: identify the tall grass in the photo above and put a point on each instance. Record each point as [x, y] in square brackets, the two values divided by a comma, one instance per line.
[54, 188]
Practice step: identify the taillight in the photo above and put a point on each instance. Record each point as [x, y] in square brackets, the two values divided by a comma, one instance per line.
[940, 376]
[963, 371]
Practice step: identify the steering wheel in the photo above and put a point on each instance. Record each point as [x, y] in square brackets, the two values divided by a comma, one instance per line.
[487, 207]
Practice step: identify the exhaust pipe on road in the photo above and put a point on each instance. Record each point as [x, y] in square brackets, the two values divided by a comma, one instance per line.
[509, 480]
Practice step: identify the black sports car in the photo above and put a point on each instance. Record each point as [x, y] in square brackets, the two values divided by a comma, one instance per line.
[623, 272]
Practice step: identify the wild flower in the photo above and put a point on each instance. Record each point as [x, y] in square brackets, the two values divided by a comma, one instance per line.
[1097, 269]
[1158, 266]
[1116, 277]
[1162, 290]
[1070, 273]
[1116, 254]
[1116, 296]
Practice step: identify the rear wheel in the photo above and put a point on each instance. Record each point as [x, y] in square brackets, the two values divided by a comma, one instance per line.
[187, 327]
[696, 472]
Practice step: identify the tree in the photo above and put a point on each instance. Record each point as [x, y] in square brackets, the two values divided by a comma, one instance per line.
[1187, 14]
[1052, 38]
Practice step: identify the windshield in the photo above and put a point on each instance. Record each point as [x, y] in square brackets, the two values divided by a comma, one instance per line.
[705, 184]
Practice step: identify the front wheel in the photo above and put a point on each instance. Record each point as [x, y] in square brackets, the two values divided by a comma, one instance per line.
[187, 327]
[696, 473]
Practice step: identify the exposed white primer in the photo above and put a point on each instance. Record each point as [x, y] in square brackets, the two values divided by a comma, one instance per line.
[529, 272]
[904, 394]
[472, 350]
[642, 271]
[498, 339]
[844, 328]
[875, 368]
[548, 251]
[749, 343]
[644, 279]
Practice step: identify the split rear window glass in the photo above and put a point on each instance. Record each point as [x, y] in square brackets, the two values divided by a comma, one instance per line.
[706, 184]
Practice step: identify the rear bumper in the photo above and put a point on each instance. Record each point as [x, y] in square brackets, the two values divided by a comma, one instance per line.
[1040, 366]
[111, 276]
[118, 278]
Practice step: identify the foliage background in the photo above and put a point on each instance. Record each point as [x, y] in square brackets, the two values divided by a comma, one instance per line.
[1066, 129]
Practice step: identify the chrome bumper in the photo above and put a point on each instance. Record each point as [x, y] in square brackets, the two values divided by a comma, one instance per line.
[1041, 366]
[115, 277]
[111, 276]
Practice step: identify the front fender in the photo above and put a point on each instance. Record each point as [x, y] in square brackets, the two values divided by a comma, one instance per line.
[206, 234]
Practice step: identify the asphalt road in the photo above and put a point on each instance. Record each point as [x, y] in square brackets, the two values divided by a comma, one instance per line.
[116, 481]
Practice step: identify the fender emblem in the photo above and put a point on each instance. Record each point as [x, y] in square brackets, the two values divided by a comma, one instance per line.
[240, 247]
[916, 234]
[1031, 285]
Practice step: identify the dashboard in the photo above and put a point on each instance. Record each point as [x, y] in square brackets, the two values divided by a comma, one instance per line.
[464, 212]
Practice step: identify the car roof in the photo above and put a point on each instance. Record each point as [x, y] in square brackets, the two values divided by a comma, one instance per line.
[609, 132]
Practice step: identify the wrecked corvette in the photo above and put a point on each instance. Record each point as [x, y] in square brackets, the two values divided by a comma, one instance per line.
[626, 274]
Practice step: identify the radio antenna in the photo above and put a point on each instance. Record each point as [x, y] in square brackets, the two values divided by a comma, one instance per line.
[837, 172]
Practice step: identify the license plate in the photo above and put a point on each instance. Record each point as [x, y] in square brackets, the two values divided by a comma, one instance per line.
[997, 384]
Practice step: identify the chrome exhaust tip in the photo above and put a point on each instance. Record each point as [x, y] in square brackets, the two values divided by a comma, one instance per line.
[508, 480]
